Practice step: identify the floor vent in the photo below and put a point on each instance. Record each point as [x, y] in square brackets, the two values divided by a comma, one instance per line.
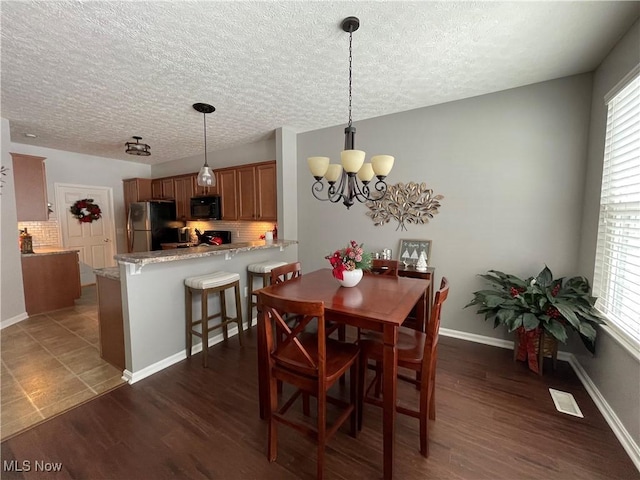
[565, 403]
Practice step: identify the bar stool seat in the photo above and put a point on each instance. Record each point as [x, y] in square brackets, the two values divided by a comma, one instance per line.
[260, 270]
[215, 282]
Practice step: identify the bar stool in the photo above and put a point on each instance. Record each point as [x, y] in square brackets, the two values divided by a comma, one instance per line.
[260, 270]
[216, 282]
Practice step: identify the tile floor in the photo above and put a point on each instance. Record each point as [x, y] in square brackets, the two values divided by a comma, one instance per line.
[50, 363]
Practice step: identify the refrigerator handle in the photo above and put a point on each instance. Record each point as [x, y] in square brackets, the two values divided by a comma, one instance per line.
[129, 232]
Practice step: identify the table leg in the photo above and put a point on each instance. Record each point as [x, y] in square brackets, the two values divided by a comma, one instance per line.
[262, 365]
[390, 375]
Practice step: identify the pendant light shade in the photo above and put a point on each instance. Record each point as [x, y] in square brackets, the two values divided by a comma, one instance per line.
[349, 180]
[206, 176]
[137, 148]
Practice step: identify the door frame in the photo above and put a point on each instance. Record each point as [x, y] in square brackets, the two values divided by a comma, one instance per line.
[60, 207]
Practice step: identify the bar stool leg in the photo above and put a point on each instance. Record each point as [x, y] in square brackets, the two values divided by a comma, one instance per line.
[204, 326]
[239, 311]
[224, 317]
[188, 296]
[250, 296]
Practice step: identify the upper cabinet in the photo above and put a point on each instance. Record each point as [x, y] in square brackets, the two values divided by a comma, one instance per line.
[226, 182]
[136, 190]
[256, 192]
[30, 187]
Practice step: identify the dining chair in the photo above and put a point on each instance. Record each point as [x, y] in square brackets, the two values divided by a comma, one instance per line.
[311, 364]
[285, 272]
[380, 266]
[417, 351]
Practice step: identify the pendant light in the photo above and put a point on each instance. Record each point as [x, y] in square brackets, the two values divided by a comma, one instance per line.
[206, 176]
[137, 148]
[352, 167]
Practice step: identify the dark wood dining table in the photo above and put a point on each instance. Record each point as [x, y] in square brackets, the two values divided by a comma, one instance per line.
[380, 303]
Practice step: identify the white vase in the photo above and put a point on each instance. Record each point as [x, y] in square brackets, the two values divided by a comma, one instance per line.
[350, 278]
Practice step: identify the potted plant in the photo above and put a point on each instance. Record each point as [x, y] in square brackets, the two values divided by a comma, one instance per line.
[537, 307]
[348, 263]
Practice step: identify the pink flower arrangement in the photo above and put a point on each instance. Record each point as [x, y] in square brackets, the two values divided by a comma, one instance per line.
[350, 258]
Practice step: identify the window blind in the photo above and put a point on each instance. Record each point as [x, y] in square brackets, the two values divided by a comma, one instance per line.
[617, 268]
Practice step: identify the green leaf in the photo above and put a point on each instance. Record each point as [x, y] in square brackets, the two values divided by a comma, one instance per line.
[556, 329]
[588, 331]
[515, 324]
[530, 321]
[493, 300]
[505, 316]
[567, 312]
[545, 277]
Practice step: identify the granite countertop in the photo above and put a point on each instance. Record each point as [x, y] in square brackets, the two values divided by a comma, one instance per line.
[108, 272]
[158, 256]
[39, 251]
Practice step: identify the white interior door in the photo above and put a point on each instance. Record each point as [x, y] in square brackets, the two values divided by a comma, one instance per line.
[95, 240]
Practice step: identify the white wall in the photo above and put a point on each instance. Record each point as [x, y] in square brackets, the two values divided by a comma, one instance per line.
[510, 166]
[614, 370]
[12, 306]
[260, 151]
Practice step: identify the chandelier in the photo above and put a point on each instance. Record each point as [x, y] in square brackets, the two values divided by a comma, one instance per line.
[137, 148]
[206, 176]
[343, 179]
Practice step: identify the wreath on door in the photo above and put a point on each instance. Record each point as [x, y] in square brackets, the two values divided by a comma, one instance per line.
[86, 211]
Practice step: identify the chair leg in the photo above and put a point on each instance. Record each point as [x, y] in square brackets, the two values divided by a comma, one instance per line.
[272, 440]
[249, 297]
[425, 408]
[239, 312]
[223, 314]
[188, 318]
[204, 327]
[342, 337]
[354, 381]
[362, 373]
[322, 432]
[378, 385]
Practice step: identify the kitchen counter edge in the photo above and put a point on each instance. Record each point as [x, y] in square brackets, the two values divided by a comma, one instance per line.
[160, 256]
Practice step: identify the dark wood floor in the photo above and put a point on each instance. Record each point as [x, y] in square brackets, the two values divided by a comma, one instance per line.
[495, 420]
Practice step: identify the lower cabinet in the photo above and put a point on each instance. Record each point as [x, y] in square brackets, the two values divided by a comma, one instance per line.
[110, 321]
[51, 281]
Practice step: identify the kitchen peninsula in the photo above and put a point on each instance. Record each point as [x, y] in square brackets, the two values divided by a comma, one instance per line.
[153, 299]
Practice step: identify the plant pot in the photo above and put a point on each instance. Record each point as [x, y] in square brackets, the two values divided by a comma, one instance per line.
[534, 346]
[350, 278]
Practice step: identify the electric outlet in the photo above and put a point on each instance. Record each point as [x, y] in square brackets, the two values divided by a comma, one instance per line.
[237, 235]
[246, 292]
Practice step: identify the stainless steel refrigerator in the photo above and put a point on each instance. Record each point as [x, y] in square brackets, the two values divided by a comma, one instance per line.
[150, 224]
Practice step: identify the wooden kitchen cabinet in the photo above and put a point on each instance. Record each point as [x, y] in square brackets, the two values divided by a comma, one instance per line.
[184, 189]
[51, 281]
[30, 183]
[256, 192]
[136, 190]
[226, 179]
[163, 188]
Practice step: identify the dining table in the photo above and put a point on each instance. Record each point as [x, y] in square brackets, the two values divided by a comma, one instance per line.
[379, 303]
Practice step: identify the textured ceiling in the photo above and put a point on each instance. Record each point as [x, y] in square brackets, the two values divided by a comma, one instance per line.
[87, 76]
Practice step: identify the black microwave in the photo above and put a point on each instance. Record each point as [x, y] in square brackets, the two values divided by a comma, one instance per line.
[206, 208]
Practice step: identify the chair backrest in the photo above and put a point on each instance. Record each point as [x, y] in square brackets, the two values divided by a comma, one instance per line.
[284, 340]
[429, 358]
[285, 272]
[381, 266]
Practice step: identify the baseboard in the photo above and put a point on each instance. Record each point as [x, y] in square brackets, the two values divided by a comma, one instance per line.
[133, 377]
[621, 433]
[11, 321]
[619, 430]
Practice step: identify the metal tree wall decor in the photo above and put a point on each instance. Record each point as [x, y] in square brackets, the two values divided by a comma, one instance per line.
[410, 203]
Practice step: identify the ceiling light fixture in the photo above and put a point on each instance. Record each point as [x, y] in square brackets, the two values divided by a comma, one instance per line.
[353, 167]
[137, 148]
[206, 176]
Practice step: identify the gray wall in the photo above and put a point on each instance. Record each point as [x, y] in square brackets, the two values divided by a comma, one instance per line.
[614, 370]
[510, 166]
[260, 151]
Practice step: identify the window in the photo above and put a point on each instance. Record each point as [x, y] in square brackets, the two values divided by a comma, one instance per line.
[616, 280]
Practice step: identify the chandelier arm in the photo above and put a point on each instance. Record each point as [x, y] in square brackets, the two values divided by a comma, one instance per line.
[316, 188]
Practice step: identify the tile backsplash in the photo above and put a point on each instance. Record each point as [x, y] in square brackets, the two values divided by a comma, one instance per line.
[240, 231]
[43, 233]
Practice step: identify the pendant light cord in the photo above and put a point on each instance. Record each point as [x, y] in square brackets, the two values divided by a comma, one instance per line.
[204, 118]
[350, 70]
